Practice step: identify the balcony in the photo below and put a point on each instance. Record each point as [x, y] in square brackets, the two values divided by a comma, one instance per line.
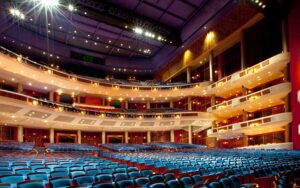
[16, 108]
[262, 125]
[268, 97]
[22, 70]
[251, 77]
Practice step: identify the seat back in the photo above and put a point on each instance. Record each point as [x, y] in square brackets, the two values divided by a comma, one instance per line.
[173, 183]
[37, 176]
[31, 184]
[84, 180]
[104, 177]
[146, 172]
[214, 184]
[169, 175]
[103, 185]
[226, 183]
[76, 173]
[186, 181]
[124, 183]
[60, 182]
[141, 180]
[197, 179]
[11, 179]
[118, 176]
[157, 185]
[55, 174]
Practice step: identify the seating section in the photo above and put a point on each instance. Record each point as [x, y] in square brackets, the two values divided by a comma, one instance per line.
[152, 146]
[16, 145]
[71, 147]
[151, 168]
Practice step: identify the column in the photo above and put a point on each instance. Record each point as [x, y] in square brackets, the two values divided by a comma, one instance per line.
[103, 137]
[126, 104]
[51, 136]
[19, 88]
[148, 136]
[79, 136]
[148, 104]
[51, 96]
[245, 140]
[220, 73]
[243, 52]
[20, 133]
[287, 137]
[244, 90]
[211, 71]
[103, 102]
[245, 115]
[78, 98]
[190, 134]
[171, 104]
[190, 103]
[188, 75]
[172, 135]
[126, 137]
[213, 100]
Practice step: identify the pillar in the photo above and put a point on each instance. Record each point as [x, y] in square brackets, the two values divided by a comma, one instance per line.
[220, 73]
[172, 136]
[103, 102]
[103, 137]
[51, 136]
[245, 115]
[190, 103]
[284, 37]
[78, 98]
[211, 68]
[171, 104]
[245, 140]
[20, 133]
[126, 137]
[148, 104]
[79, 136]
[19, 88]
[244, 90]
[148, 137]
[243, 51]
[213, 100]
[190, 134]
[188, 75]
[126, 104]
[51, 96]
[287, 131]
[294, 46]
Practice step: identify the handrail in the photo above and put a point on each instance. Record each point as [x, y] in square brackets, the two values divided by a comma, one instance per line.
[101, 113]
[244, 98]
[97, 81]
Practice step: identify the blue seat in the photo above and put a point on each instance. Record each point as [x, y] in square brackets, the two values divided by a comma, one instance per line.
[124, 183]
[157, 178]
[84, 180]
[60, 168]
[186, 182]
[12, 179]
[118, 176]
[55, 174]
[132, 168]
[197, 179]
[226, 183]
[60, 182]
[107, 170]
[134, 174]
[103, 185]
[38, 176]
[173, 183]
[5, 172]
[140, 181]
[157, 185]
[104, 177]
[214, 184]
[43, 169]
[31, 184]
[92, 171]
[76, 173]
[23, 171]
[146, 172]
[33, 167]
[169, 176]
[5, 185]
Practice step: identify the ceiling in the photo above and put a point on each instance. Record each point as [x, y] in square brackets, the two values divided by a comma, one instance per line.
[102, 32]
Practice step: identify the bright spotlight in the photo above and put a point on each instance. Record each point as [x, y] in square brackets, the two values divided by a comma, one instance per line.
[71, 7]
[47, 3]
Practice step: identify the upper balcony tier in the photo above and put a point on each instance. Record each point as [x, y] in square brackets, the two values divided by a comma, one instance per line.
[262, 125]
[21, 70]
[268, 97]
[19, 109]
[251, 77]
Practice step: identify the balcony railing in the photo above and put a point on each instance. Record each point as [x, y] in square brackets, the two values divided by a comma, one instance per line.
[283, 87]
[102, 113]
[138, 85]
[286, 116]
[251, 70]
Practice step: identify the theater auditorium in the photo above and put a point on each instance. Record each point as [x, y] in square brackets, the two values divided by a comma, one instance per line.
[150, 93]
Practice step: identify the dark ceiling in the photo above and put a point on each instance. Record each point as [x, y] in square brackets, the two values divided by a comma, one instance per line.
[102, 31]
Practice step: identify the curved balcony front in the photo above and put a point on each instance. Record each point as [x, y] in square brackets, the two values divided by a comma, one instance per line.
[22, 70]
[251, 77]
[268, 97]
[19, 109]
[262, 125]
